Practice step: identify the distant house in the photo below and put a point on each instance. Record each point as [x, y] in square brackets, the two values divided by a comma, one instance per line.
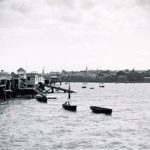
[47, 78]
[21, 73]
[5, 79]
[15, 81]
[54, 79]
[146, 79]
[5, 75]
[24, 80]
[50, 78]
[41, 79]
[122, 79]
[33, 79]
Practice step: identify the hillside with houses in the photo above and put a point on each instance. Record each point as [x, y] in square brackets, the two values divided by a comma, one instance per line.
[121, 76]
[24, 79]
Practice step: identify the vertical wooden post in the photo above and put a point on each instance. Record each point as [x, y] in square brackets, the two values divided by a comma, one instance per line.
[52, 90]
[10, 88]
[4, 92]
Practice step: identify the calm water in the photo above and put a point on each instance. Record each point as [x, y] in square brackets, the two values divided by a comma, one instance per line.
[30, 125]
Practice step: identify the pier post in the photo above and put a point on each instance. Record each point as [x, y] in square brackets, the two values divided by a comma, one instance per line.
[52, 90]
[4, 93]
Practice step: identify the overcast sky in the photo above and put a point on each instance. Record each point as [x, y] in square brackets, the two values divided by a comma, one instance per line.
[73, 34]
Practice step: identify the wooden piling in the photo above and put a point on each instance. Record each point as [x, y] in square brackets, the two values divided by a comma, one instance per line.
[52, 90]
[4, 92]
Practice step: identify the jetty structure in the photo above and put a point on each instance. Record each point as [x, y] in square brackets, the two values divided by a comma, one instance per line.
[5, 85]
[23, 84]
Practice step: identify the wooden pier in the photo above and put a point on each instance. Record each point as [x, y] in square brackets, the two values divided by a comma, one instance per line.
[15, 86]
[52, 87]
[26, 92]
[4, 92]
[39, 91]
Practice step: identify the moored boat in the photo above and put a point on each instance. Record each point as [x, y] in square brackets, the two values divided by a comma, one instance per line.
[83, 86]
[97, 109]
[42, 99]
[102, 86]
[91, 88]
[69, 107]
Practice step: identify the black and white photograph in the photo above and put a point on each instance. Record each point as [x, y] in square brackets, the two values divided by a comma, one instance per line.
[74, 74]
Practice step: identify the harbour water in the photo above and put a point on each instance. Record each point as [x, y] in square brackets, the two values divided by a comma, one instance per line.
[29, 125]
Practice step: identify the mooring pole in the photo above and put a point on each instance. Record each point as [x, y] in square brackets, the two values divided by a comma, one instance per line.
[4, 92]
[52, 90]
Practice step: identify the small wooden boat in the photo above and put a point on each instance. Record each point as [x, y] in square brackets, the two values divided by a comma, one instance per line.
[102, 86]
[69, 107]
[91, 88]
[97, 109]
[83, 87]
[42, 99]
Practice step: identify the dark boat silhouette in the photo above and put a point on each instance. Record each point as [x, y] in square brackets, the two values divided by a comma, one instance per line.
[97, 109]
[102, 86]
[101, 83]
[41, 98]
[91, 88]
[67, 105]
[83, 86]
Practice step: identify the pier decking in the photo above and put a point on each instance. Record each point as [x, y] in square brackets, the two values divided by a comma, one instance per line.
[52, 87]
[25, 84]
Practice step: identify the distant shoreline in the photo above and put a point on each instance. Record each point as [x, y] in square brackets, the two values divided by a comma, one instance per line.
[100, 82]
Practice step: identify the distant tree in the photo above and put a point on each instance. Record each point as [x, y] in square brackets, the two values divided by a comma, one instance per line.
[121, 73]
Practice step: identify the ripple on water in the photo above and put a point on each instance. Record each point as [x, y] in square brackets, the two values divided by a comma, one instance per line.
[30, 125]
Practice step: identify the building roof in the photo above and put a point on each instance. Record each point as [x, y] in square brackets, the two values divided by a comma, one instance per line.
[5, 75]
[21, 70]
[32, 74]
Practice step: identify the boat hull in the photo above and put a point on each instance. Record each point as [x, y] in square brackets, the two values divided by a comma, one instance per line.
[83, 87]
[41, 99]
[102, 86]
[97, 109]
[69, 107]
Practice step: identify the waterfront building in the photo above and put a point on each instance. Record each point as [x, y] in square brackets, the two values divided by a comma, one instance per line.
[23, 80]
[21, 73]
[33, 79]
[5, 75]
[47, 78]
[5, 84]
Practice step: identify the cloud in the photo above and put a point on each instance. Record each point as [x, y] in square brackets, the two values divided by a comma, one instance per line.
[144, 54]
[78, 14]
[145, 3]
[103, 32]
